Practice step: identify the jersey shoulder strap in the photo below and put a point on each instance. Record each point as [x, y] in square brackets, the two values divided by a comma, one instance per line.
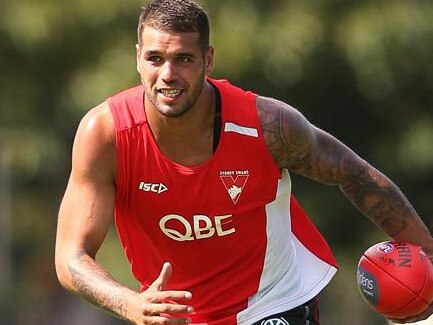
[127, 108]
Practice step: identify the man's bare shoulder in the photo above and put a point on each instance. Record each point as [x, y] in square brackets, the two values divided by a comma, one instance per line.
[286, 131]
[95, 141]
[271, 109]
[98, 123]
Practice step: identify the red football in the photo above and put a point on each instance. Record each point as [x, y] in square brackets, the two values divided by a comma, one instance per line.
[396, 279]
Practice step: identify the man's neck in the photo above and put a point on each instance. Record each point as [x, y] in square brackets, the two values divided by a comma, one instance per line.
[187, 139]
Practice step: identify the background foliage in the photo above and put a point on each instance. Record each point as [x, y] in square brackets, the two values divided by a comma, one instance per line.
[362, 70]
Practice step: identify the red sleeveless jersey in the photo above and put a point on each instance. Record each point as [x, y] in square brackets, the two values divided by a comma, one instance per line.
[225, 225]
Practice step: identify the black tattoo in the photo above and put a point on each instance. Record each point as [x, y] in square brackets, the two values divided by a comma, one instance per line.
[300, 147]
[96, 285]
[379, 198]
[281, 127]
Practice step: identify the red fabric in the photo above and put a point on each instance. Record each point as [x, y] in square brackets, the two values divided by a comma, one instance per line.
[309, 235]
[168, 212]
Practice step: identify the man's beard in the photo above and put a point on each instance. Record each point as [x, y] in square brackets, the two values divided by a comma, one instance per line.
[180, 111]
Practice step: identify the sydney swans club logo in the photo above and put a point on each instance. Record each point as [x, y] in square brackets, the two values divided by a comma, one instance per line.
[234, 182]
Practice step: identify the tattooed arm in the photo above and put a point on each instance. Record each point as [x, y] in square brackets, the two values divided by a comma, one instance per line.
[303, 148]
[300, 147]
[85, 215]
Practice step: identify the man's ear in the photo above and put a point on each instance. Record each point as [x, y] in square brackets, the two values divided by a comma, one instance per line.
[138, 51]
[209, 60]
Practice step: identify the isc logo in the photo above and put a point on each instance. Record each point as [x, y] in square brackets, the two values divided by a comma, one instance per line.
[179, 228]
[153, 187]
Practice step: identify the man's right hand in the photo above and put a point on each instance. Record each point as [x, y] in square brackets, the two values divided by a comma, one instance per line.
[159, 306]
[85, 216]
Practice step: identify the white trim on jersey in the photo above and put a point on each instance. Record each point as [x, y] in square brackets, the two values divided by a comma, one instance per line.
[292, 274]
[233, 127]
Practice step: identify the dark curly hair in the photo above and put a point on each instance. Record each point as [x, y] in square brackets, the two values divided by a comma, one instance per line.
[175, 16]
